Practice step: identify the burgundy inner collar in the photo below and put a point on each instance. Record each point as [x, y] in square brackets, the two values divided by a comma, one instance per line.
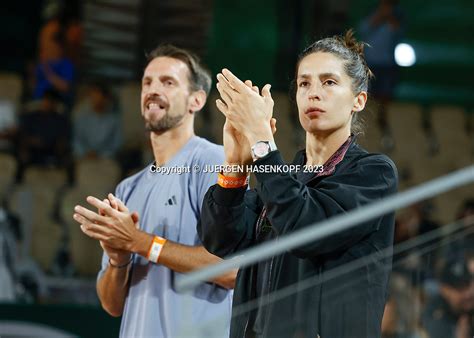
[330, 166]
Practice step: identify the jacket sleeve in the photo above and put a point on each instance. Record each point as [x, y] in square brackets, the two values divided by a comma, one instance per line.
[227, 220]
[292, 205]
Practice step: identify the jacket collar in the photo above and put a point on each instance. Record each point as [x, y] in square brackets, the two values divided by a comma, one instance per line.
[335, 159]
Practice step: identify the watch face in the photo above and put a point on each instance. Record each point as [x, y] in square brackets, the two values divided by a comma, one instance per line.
[261, 149]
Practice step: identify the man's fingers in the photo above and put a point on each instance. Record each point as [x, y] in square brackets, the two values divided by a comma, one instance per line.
[89, 226]
[112, 201]
[121, 206]
[107, 209]
[101, 212]
[93, 235]
[81, 219]
[135, 218]
[91, 215]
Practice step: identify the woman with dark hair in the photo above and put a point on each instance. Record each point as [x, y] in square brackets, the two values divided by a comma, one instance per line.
[331, 90]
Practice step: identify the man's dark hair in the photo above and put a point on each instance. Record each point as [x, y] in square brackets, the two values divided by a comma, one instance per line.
[199, 75]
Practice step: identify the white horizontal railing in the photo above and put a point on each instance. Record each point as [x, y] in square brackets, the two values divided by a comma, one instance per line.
[424, 244]
[320, 230]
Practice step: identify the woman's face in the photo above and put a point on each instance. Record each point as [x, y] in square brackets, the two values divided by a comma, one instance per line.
[324, 94]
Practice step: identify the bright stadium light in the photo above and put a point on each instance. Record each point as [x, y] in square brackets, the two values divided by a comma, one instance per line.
[405, 55]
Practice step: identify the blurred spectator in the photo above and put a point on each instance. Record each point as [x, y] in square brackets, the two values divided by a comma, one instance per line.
[74, 33]
[401, 315]
[47, 48]
[382, 30]
[462, 248]
[54, 72]
[21, 279]
[7, 126]
[59, 42]
[416, 221]
[44, 134]
[97, 129]
[7, 255]
[466, 213]
[62, 265]
[450, 314]
[60, 20]
[390, 319]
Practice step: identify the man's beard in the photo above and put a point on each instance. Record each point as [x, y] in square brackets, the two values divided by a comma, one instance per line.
[166, 123]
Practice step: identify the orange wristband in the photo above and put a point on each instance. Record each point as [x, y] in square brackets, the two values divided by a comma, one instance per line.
[232, 182]
[155, 249]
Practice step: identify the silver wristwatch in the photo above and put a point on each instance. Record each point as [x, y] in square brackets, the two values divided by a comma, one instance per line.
[262, 148]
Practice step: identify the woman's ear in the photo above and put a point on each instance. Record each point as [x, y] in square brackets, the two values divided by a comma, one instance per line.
[359, 102]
